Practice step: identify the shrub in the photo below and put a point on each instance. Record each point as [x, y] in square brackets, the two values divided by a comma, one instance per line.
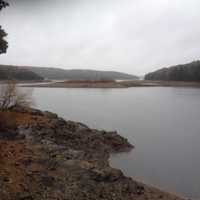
[11, 96]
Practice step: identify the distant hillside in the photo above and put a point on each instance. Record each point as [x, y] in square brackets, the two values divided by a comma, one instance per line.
[186, 72]
[76, 74]
[18, 73]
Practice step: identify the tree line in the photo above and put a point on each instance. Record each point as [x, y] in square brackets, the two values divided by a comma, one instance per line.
[186, 72]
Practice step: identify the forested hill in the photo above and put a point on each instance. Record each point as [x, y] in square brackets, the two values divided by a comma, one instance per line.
[76, 74]
[18, 73]
[185, 72]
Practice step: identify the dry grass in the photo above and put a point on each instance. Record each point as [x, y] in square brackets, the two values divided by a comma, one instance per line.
[11, 120]
[28, 119]
[14, 155]
[7, 121]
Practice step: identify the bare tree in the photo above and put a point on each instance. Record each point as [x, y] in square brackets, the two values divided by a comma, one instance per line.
[11, 96]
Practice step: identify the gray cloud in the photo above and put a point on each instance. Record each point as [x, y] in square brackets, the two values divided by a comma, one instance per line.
[134, 36]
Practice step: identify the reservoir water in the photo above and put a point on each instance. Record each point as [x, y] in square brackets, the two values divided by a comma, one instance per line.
[162, 123]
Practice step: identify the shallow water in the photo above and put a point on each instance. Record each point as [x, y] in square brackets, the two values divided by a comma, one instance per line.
[162, 123]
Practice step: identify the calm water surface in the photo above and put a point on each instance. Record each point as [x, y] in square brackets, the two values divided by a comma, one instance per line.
[162, 123]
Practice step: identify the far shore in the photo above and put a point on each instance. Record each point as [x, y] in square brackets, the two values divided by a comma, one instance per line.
[112, 84]
[26, 81]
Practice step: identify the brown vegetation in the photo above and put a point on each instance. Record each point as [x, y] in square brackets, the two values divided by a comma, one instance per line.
[11, 120]
[90, 81]
[15, 169]
[7, 121]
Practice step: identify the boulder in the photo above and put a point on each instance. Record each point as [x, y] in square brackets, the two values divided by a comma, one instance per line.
[106, 175]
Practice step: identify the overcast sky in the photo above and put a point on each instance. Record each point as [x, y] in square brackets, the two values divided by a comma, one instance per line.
[134, 36]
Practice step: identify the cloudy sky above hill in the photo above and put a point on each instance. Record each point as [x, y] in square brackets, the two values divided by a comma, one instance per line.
[134, 36]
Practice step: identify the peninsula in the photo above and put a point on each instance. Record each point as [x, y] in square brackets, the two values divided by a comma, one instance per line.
[45, 157]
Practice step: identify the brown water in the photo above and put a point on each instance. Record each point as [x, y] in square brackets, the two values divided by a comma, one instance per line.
[162, 123]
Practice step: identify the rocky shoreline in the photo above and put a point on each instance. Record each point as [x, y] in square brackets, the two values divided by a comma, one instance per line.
[48, 158]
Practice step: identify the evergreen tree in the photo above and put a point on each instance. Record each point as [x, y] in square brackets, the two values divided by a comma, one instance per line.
[3, 42]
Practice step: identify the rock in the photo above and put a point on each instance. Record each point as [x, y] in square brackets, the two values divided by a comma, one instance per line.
[24, 196]
[130, 186]
[36, 112]
[106, 175]
[47, 180]
[20, 137]
[50, 115]
[9, 135]
[6, 179]
[31, 111]
[116, 142]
